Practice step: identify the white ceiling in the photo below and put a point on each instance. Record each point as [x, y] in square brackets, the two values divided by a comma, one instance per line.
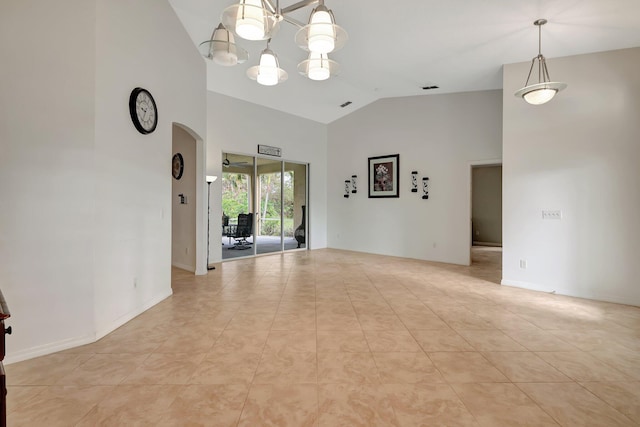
[396, 48]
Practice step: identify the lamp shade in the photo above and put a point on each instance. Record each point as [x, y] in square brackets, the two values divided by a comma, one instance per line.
[540, 93]
[539, 96]
[321, 35]
[222, 49]
[318, 66]
[268, 73]
[250, 20]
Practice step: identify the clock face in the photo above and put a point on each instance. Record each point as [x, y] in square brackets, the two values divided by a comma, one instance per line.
[177, 166]
[143, 110]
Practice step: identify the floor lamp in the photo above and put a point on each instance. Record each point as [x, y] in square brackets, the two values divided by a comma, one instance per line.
[210, 179]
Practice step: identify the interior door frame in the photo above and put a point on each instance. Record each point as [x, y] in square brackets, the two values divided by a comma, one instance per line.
[471, 165]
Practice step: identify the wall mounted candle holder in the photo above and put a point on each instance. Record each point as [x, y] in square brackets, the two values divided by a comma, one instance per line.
[347, 183]
[425, 187]
[414, 181]
[354, 184]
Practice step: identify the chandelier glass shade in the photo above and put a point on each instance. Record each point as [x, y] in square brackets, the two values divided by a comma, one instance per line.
[268, 73]
[543, 91]
[318, 67]
[251, 20]
[222, 49]
[321, 35]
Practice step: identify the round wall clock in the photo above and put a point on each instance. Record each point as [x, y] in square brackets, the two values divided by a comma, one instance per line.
[142, 108]
[177, 165]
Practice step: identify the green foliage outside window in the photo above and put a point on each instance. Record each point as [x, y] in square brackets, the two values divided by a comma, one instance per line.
[271, 202]
[235, 194]
[235, 200]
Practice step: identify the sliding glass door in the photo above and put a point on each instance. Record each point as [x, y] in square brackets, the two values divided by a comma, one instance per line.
[295, 205]
[269, 216]
[272, 194]
[237, 205]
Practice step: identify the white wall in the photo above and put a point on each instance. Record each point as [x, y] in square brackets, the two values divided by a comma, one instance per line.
[437, 135]
[183, 216]
[237, 126]
[86, 198]
[47, 176]
[143, 44]
[579, 154]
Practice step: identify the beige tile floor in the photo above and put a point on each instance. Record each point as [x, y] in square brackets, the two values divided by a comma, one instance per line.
[334, 338]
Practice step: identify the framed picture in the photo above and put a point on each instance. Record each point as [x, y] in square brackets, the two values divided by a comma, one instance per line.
[384, 176]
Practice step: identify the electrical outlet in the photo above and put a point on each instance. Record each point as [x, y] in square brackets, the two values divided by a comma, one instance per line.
[523, 264]
[551, 214]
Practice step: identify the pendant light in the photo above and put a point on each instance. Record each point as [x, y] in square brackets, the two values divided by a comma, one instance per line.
[321, 35]
[251, 20]
[268, 73]
[318, 66]
[543, 91]
[222, 48]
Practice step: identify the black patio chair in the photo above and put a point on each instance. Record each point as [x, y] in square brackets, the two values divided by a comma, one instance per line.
[242, 231]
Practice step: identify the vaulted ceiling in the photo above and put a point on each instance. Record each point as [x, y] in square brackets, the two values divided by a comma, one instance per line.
[396, 48]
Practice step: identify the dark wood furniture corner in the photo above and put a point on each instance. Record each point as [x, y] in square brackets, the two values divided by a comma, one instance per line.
[4, 314]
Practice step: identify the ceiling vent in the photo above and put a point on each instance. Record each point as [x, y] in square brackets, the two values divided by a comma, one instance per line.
[346, 104]
[430, 87]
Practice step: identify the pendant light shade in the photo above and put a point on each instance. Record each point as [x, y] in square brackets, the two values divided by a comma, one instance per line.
[540, 93]
[543, 91]
[250, 20]
[222, 49]
[321, 35]
[318, 67]
[268, 73]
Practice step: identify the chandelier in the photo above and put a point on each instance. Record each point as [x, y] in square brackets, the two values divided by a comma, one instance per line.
[260, 20]
[543, 91]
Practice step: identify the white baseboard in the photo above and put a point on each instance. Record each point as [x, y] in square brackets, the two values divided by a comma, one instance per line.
[43, 350]
[568, 292]
[115, 324]
[497, 245]
[528, 285]
[190, 268]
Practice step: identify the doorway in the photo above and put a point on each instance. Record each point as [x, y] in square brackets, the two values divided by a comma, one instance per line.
[486, 212]
[486, 205]
[183, 199]
[273, 194]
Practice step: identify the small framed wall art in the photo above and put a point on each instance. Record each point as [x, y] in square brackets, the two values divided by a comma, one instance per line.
[384, 176]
